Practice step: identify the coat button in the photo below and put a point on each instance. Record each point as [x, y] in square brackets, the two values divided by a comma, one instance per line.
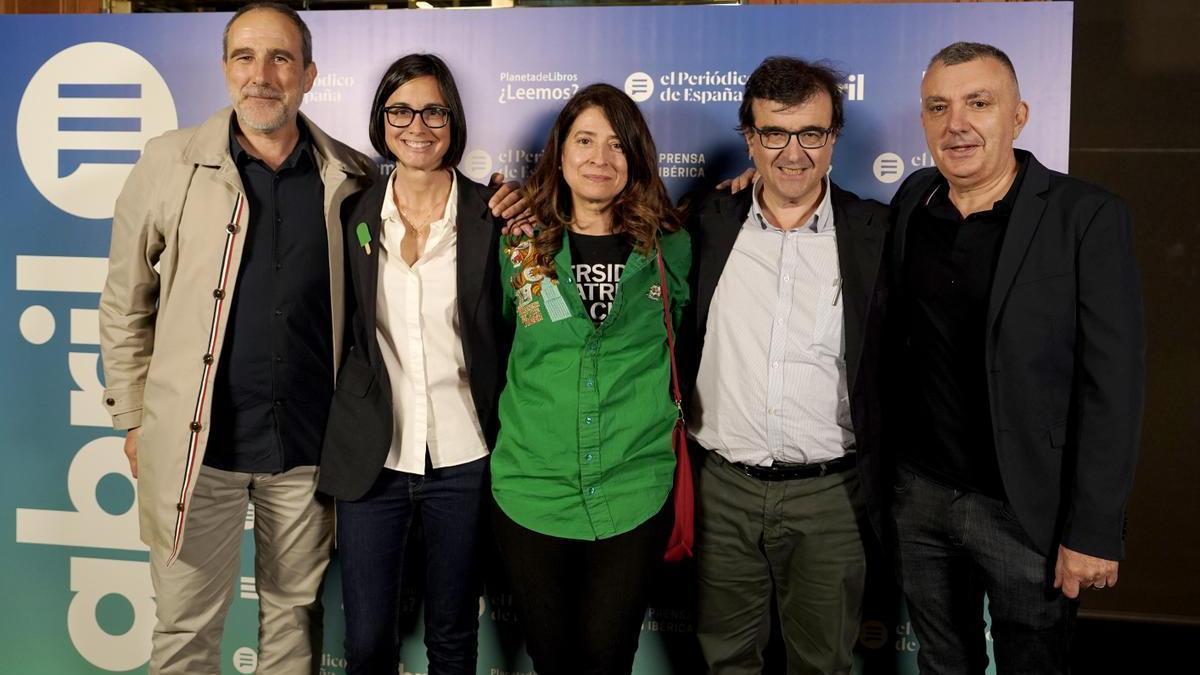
[179, 507]
[194, 426]
[109, 401]
[231, 228]
[208, 358]
[218, 294]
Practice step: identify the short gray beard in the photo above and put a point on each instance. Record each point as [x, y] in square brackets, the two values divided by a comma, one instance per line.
[274, 124]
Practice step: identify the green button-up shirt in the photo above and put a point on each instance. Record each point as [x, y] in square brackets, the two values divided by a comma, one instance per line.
[584, 450]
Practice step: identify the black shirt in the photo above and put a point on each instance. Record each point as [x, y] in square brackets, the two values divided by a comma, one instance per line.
[272, 390]
[948, 269]
[597, 262]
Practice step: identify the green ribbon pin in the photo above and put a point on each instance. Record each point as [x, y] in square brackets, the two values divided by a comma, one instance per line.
[364, 237]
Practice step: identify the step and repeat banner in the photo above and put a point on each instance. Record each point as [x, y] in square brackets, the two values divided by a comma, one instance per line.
[80, 96]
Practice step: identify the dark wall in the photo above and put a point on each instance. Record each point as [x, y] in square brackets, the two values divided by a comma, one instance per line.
[1135, 128]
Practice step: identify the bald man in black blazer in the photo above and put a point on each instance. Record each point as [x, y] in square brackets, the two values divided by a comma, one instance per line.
[1021, 342]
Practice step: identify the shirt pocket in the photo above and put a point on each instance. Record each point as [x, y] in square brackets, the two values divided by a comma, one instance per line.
[827, 320]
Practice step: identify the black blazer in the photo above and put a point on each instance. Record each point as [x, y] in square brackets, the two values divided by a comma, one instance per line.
[359, 432]
[1065, 357]
[862, 229]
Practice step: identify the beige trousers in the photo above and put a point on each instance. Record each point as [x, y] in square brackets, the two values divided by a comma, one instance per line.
[293, 538]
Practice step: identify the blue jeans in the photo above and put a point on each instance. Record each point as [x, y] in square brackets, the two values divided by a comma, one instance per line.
[952, 548]
[372, 534]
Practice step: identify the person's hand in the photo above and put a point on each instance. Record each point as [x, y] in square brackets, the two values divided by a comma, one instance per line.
[739, 182]
[526, 226]
[131, 443]
[508, 202]
[1074, 571]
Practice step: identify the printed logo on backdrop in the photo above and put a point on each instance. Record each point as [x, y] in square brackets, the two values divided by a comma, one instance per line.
[539, 86]
[906, 640]
[922, 160]
[333, 665]
[330, 661]
[503, 608]
[854, 87]
[110, 612]
[477, 164]
[681, 86]
[328, 88]
[711, 86]
[639, 86]
[888, 168]
[668, 620]
[82, 123]
[873, 634]
[681, 165]
[516, 163]
[245, 660]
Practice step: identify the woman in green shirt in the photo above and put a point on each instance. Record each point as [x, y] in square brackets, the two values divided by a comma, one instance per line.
[583, 466]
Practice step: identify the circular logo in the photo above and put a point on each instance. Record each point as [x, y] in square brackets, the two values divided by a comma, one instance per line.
[245, 660]
[873, 634]
[478, 165]
[82, 123]
[37, 325]
[639, 86]
[888, 168]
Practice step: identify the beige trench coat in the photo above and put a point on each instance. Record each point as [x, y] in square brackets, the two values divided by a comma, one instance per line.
[177, 241]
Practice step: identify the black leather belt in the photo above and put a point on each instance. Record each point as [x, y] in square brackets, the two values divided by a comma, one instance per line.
[784, 471]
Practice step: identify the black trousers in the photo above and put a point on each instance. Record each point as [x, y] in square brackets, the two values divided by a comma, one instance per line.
[953, 548]
[581, 603]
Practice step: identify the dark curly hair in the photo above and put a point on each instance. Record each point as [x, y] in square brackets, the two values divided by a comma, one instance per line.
[791, 81]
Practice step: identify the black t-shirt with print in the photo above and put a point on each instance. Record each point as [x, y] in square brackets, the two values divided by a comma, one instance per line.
[597, 262]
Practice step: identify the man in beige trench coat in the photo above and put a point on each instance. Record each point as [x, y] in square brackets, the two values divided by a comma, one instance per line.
[221, 326]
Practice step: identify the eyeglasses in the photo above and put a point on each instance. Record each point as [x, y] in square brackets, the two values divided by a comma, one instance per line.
[434, 117]
[778, 139]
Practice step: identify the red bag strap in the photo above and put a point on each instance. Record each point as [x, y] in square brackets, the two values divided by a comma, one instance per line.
[666, 303]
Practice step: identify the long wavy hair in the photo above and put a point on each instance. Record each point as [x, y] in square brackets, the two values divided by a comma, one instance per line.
[639, 212]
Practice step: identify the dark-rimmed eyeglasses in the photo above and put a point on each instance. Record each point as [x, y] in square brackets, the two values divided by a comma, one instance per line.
[400, 116]
[778, 139]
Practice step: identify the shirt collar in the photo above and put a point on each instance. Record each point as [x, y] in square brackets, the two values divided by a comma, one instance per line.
[820, 221]
[938, 198]
[303, 147]
[389, 212]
